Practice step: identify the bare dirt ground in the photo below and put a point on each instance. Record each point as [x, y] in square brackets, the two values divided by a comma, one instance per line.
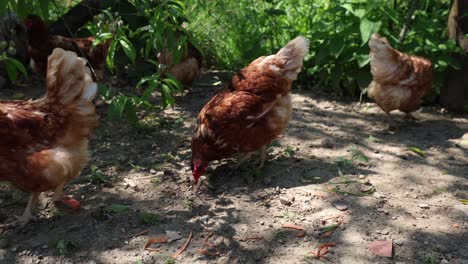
[337, 172]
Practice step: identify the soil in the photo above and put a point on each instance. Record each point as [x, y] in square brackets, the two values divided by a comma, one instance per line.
[337, 171]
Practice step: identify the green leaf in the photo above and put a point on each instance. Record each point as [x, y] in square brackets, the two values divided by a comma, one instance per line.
[44, 5]
[362, 59]
[130, 111]
[117, 208]
[111, 55]
[11, 70]
[367, 28]
[417, 151]
[373, 139]
[464, 201]
[128, 49]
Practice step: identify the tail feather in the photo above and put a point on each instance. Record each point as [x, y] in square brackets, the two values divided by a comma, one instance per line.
[69, 81]
[292, 55]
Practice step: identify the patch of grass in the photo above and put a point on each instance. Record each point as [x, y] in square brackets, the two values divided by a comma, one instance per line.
[137, 168]
[169, 260]
[430, 258]
[147, 218]
[357, 154]
[342, 161]
[289, 151]
[63, 246]
[96, 176]
[288, 215]
[309, 258]
[279, 234]
[189, 204]
[156, 180]
[57, 213]
[439, 190]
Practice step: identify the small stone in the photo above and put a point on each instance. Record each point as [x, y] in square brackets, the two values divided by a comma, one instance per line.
[361, 176]
[385, 232]
[340, 205]
[326, 143]
[13, 249]
[399, 242]
[152, 171]
[423, 206]
[285, 201]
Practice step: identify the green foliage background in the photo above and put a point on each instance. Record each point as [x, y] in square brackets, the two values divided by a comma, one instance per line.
[235, 32]
[232, 33]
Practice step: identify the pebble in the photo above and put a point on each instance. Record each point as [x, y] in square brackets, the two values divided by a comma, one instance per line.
[152, 171]
[399, 242]
[13, 249]
[285, 201]
[361, 176]
[326, 143]
[340, 205]
[423, 206]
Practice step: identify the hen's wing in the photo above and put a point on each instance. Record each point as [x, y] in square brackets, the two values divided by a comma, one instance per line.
[228, 121]
[20, 126]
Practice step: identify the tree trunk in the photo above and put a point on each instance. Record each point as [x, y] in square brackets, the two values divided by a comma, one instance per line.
[455, 90]
[75, 18]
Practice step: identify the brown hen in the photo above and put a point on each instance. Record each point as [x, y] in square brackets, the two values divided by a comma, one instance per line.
[400, 81]
[41, 44]
[251, 111]
[44, 142]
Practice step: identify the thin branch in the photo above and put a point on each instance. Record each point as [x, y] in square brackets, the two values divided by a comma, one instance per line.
[409, 19]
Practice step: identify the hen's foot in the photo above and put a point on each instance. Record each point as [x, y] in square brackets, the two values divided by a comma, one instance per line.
[262, 158]
[410, 118]
[69, 202]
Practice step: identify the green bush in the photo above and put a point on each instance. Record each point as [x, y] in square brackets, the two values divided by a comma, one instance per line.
[236, 32]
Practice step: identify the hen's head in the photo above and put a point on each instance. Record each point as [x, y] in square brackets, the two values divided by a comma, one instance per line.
[378, 43]
[34, 23]
[198, 169]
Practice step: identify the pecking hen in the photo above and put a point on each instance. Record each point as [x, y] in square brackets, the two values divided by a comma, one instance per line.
[41, 44]
[44, 142]
[251, 111]
[400, 81]
[189, 66]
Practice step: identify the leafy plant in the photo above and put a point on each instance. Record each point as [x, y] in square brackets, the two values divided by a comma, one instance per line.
[147, 218]
[62, 246]
[289, 151]
[236, 32]
[96, 176]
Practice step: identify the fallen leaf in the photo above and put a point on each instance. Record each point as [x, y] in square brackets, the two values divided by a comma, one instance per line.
[183, 247]
[295, 227]
[291, 226]
[464, 201]
[155, 240]
[117, 208]
[381, 248]
[322, 250]
[417, 151]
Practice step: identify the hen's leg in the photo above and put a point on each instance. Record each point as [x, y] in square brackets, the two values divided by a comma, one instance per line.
[244, 158]
[390, 122]
[64, 199]
[409, 117]
[27, 214]
[262, 158]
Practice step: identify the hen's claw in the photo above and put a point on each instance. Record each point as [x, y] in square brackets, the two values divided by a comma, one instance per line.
[69, 202]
